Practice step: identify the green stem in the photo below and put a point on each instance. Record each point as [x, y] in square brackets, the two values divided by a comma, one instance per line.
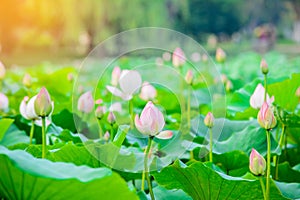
[265, 79]
[146, 169]
[112, 132]
[262, 187]
[100, 128]
[131, 114]
[189, 109]
[44, 137]
[31, 131]
[280, 145]
[210, 145]
[268, 164]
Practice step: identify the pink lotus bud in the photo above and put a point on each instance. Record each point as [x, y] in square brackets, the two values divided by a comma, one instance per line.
[257, 163]
[115, 76]
[2, 71]
[98, 101]
[159, 62]
[106, 136]
[151, 121]
[298, 92]
[220, 55]
[189, 77]
[4, 103]
[27, 110]
[257, 98]
[164, 135]
[42, 104]
[178, 57]
[111, 118]
[148, 92]
[265, 117]
[100, 112]
[86, 102]
[196, 57]
[130, 81]
[228, 86]
[70, 77]
[166, 56]
[209, 120]
[224, 78]
[27, 80]
[264, 66]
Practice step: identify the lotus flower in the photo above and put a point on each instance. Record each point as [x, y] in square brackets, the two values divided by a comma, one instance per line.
[264, 66]
[189, 77]
[220, 55]
[86, 102]
[2, 71]
[4, 103]
[43, 105]
[178, 57]
[111, 118]
[27, 80]
[115, 76]
[151, 122]
[148, 92]
[100, 110]
[115, 107]
[265, 117]
[257, 98]
[257, 163]
[209, 120]
[130, 81]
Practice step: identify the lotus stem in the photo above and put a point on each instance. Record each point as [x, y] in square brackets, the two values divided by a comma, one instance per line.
[268, 164]
[31, 132]
[44, 137]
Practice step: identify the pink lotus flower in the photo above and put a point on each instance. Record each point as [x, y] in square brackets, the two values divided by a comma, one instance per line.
[4, 103]
[148, 92]
[257, 98]
[264, 66]
[265, 117]
[189, 77]
[2, 71]
[130, 81]
[86, 102]
[178, 57]
[220, 55]
[27, 80]
[209, 120]
[151, 122]
[43, 105]
[115, 76]
[257, 164]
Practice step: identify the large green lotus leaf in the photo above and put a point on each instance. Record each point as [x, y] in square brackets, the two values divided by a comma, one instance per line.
[4, 125]
[286, 173]
[202, 182]
[161, 193]
[24, 177]
[289, 190]
[14, 136]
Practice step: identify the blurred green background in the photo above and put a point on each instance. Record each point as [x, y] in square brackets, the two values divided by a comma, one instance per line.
[33, 31]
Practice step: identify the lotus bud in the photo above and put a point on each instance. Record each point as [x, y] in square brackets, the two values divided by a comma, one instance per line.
[196, 57]
[257, 164]
[100, 112]
[298, 92]
[98, 101]
[264, 67]
[148, 92]
[111, 118]
[164, 135]
[4, 103]
[86, 102]
[2, 71]
[189, 77]
[209, 120]
[265, 117]
[178, 57]
[42, 104]
[106, 136]
[27, 80]
[115, 76]
[70, 77]
[228, 86]
[220, 55]
[151, 120]
[166, 56]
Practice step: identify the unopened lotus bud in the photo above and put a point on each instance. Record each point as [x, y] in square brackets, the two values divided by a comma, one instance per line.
[209, 120]
[100, 112]
[220, 55]
[115, 76]
[111, 118]
[98, 101]
[257, 164]
[43, 105]
[27, 80]
[4, 103]
[86, 102]
[166, 56]
[178, 57]
[189, 77]
[228, 86]
[265, 117]
[264, 67]
[2, 71]
[106, 136]
[298, 92]
[148, 92]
